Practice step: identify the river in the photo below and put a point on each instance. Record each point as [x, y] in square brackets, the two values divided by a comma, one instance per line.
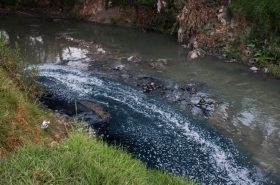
[236, 143]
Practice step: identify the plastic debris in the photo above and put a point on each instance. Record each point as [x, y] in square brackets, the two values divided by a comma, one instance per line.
[163, 60]
[45, 124]
[130, 58]
[100, 50]
[254, 68]
[158, 6]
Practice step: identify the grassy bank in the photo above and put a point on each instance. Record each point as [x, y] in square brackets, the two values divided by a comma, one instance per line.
[79, 160]
[31, 155]
[20, 117]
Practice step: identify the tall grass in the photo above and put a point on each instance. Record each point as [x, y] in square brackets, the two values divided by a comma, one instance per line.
[20, 117]
[263, 19]
[79, 160]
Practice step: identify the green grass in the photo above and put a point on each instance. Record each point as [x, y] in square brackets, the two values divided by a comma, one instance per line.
[20, 117]
[263, 37]
[79, 160]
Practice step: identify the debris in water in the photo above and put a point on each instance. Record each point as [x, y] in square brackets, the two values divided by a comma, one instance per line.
[254, 68]
[158, 6]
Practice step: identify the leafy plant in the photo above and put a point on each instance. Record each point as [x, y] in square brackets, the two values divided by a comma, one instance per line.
[116, 22]
[102, 19]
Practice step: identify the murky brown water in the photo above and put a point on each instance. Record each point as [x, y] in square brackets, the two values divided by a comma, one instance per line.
[248, 104]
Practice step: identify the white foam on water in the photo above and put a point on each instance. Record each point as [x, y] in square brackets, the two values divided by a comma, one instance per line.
[85, 84]
[73, 53]
[223, 161]
[77, 80]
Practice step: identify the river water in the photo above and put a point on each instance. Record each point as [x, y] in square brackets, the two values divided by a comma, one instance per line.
[238, 143]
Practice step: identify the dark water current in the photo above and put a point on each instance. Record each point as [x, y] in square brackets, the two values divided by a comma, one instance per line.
[237, 144]
[155, 131]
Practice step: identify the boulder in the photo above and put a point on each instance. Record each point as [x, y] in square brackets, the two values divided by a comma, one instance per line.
[193, 55]
[196, 53]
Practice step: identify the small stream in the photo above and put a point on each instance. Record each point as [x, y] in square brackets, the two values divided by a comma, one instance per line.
[237, 143]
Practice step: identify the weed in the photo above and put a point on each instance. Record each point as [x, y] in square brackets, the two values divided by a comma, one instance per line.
[116, 22]
[20, 118]
[102, 19]
[79, 160]
[274, 70]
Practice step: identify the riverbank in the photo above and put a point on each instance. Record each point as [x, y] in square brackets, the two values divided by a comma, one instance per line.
[220, 30]
[67, 156]
[79, 160]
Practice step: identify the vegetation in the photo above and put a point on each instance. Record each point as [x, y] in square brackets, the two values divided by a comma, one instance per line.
[79, 160]
[19, 115]
[144, 14]
[263, 19]
[63, 5]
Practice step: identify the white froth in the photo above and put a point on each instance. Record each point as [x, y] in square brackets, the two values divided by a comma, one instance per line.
[83, 83]
[72, 53]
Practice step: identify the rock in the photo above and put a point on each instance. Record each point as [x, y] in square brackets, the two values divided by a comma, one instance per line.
[193, 90]
[193, 55]
[201, 101]
[254, 68]
[265, 70]
[252, 61]
[97, 109]
[196, 53]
